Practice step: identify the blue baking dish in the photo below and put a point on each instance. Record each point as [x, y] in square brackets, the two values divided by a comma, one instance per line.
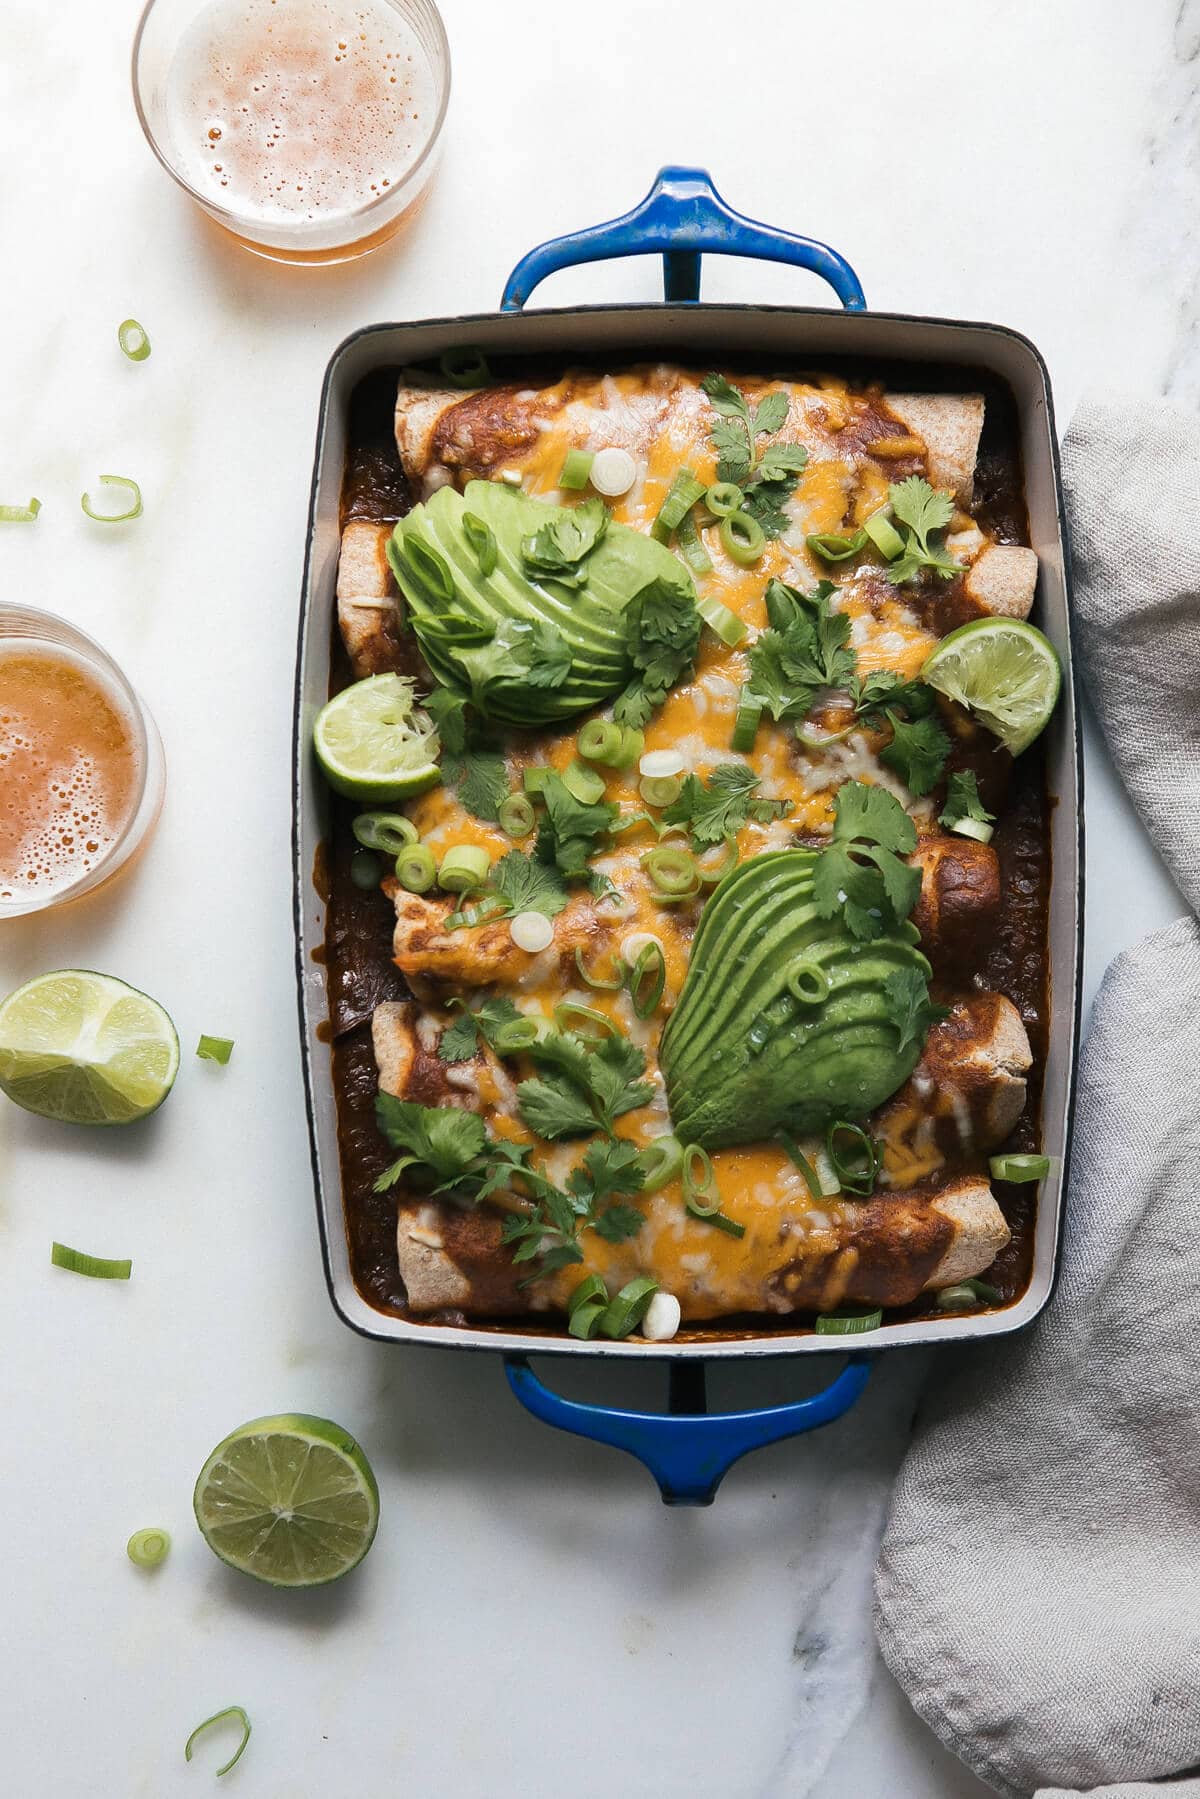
[683, 217]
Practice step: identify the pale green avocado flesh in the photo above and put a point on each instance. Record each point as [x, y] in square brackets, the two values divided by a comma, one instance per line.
[741, 1056]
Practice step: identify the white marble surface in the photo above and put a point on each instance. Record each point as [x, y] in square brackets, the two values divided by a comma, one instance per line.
[531, 1620]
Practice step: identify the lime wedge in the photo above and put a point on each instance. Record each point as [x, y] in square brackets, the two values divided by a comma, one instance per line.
[291, 1500]
[1002, 670]
[86, 1049]
[374, 744]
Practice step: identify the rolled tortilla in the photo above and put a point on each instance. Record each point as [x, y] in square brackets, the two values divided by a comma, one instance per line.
[949, 425]
[958, 904]
[1003, 580]
[432, 957]
[369, 608]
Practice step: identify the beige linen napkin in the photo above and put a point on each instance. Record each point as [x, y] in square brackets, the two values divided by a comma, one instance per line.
[1038, 1587]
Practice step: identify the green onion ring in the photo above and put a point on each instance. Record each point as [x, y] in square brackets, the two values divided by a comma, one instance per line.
[576, 470]
[673, 871]
[590, 1287]
[465, 367]
[691, 546]
[831, 546]
[416, 869]
[633, 742]
[569, 1010]
[726, 1224]
[133, 339]
[711, 875]
[1019, 1168]
[745, 725]
[516, 1035]
[591, 980]
[97, 1267]
[215, 1049]
[651, 965]
[482, 540]
[534, 778]
[660, 1162]
[856, 1175]
[147, 1548]
[958, 1298]
[682, 495]
[516, 816]
[726, 624]
[743, 537]
[847, 1324]
[808, 982]
[660, 790]
[231, 1711]
[724, 497]
[796, 1155]
[389, 832]
[463, 867]
[20, 515]
[624, 1313]
[584, 1322]
[490, 908]
[700, 1193]
[883, 534]
[114, 518]
[599, 740]
[583, 783]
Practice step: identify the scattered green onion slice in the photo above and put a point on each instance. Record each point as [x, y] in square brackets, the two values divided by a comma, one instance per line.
[532, 932]
[682, 495]
[576, 470]
[854, 1157]
[463, 867]
[583, 783]
[147, 1548]
[590, 1287]
[584, 1321]
[647, 978]
[808, 982]
[745, 725]
[831, 546]
[624, 1313]
[974, 827]
[673, 871]
[884, 535]
[364, 870]
[691, 546]
[723, 1223]
[133, 340]
[516, 816]
[516, 1035]
[482, 540]
[592, 980]
[389, 832]
[660, 1162]
[700, 1192]
[20, 515]
[743, 537]
[1019, 1168]
[633, 742]
[712, 872]
[796, 1155]
[96, 1266]
[600, 740]
[727, 625]
[465, 367]
[488, 910]
[724, 497]
[569, 1014]
[662, 790]
[613, 471]
[847, 1324]
[114, 518]
[231, 1711]
[416, 869]
[966, 1295]
[215, 1049]
[534, 778]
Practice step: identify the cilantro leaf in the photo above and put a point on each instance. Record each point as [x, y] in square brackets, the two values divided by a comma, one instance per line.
[554, 1107]
[521, 652]
[731, 444]
[725, 397]
[616, 1067]
[912, 1010]
[806, 648]
[717, 810]
[460, 1040]
[582, 1087]
[559, 548]
[781, 460]
[662, 636]
[617, 1222]
[591, 1202]
[569, 830]
[923, 511]
[770, 414]
[607, 1169]
[448, 710]
[528, 884]
[963, 801]
[766, 478]
[861, 874]
[440, 1141]
[917, 752]
[875, 816]
[480, 776]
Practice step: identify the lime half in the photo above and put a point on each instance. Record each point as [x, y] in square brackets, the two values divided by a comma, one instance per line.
[1003, 671]
[373, 743]
[86, 1049]
[290, 1500]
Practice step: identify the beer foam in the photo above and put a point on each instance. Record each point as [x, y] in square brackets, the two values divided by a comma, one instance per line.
[295, 110]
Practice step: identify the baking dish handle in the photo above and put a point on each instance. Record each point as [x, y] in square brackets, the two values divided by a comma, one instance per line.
[681, 216]
[688, 1450]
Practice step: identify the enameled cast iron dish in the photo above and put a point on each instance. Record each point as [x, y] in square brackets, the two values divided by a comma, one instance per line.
[686, 1449]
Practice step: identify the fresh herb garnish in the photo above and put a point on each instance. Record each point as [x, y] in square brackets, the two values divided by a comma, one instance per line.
[861, 873]
[609, 1174]
[720, 808]
[766, 477]
[963, 801]
[469, 763]
[520, 651]
[446, 1145]
[662, 635]
[460, 1040]
[583, 1087]
[923, 511]
[559, 548]
[570, 829]
[805, 649]
[527, 884]
[919, 746]
[912, 1010]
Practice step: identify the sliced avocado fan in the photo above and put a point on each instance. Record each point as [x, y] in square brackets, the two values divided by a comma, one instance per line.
[783, 1020]
[525, 646]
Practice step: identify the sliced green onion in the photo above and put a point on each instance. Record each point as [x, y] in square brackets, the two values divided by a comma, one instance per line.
[231, 1711]
[592, 980]
[847, 1324]
[701, 1195]
[215, 1049]
[682, 495]
[147, 1548]
[534, 778]
[590, 1287]
[959, 1298]
[516, 816]
[20, 515]
[583, 783]
[884, 535]
[781, 608]
[114, 518]
[600, 740]
[133, 340]
[569, 1015]
[633, 742]
[463, 867]
[365, 871]
[585, 1320]
[808, 982]
[488, 910]
[661, 790]
[854, 1157]
[647, 979]
[532, 932]
[724, 497]
[721, 1222]
[973, 827]
[743, 537]
[660, 1162]
[576, 470]
[613, 471]
[673, 871]
[831, 546]
[727, 625]
[624, 1313]
[745, 725]
[389, 832]
[465, 367]
[516, 1035]
[482, 540]
[77, 1262]
[416, 869]
[985, 1290]
[434, 572]
[691, 546]
[1019, 1168]
[711, 873]
[796, 1155]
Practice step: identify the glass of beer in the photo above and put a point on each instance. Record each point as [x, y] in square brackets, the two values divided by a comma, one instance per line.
[81, 763]
[307, 128]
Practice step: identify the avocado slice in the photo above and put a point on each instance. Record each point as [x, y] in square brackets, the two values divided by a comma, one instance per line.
[456, 610]
[783, 1020]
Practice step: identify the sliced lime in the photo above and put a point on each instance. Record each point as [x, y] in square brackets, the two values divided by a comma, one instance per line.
[291, 1500]
[86, 1049]
[373, 743]
[1002, 670]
